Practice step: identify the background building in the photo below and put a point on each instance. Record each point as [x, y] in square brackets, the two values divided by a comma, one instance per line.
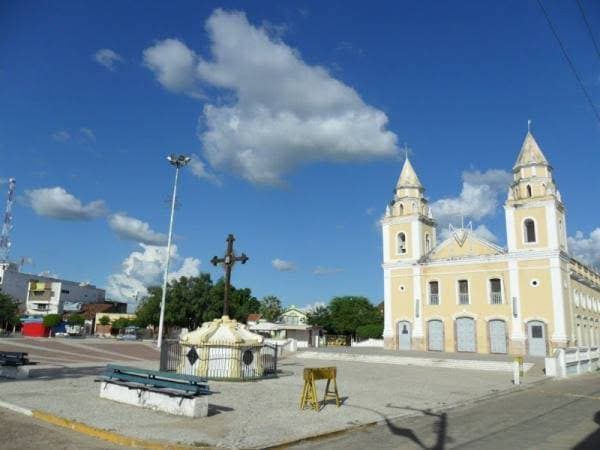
[38, 294]
[52, 297]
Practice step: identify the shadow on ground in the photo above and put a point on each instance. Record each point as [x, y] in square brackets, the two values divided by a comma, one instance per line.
[592, 441]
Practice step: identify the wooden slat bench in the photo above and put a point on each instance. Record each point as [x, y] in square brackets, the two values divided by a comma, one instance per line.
[169, 383]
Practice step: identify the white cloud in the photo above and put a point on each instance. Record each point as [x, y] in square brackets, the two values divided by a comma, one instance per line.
[199, 169]
[320, 270]
[284, 113]
[485, 233]
[107, 58]
[586, 249]
[282, 265]
[478, 199]
[57, 203]
[174, 66]
[144, 268]
[88, 133]
[61, 136]
[130, 228]
[312, 306]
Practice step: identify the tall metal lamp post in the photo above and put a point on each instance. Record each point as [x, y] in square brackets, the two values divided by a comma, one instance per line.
[179, 162]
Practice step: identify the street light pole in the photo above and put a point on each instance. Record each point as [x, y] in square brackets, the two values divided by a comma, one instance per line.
[178, 162]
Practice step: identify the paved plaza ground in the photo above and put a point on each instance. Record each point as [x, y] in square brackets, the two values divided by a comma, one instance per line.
[242, 415]
[559, 415]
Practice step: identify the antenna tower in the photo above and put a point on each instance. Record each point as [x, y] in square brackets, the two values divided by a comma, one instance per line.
[7, 222]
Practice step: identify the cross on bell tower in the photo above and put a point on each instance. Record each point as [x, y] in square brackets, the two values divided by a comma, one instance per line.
[228, 261]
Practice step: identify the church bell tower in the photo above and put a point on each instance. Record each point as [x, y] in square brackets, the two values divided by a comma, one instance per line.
[408, 227]
[535, 214]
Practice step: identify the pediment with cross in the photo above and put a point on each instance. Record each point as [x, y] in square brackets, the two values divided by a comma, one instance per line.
[462, 243]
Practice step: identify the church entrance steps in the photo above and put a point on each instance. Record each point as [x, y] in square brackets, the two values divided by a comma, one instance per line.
[431, 361]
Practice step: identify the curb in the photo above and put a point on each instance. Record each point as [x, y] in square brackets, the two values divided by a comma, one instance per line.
[105, 435]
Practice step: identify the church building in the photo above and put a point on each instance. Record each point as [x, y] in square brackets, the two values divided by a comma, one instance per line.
[467, 294]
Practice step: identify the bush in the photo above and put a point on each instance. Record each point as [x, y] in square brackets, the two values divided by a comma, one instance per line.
[104, 320]
[52, 320]
[373, 330]
[76, 319]
[121, 323]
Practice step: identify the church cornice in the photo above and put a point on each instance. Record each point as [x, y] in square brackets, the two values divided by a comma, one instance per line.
[481, 259]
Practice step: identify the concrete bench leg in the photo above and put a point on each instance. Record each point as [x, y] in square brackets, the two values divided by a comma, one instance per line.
[179, 406]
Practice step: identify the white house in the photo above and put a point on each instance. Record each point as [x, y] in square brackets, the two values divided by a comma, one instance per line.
[49, 297]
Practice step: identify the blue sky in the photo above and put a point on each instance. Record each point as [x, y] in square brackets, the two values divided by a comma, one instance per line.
[297, 113]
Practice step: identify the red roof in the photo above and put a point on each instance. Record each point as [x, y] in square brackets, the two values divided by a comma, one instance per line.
[253, 317]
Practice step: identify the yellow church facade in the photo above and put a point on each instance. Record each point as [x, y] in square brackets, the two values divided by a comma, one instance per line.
[466, 294]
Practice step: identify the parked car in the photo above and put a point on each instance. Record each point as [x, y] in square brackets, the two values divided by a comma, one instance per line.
[129, 334]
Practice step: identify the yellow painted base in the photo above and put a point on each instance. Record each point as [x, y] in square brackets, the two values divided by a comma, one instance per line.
[109, 436]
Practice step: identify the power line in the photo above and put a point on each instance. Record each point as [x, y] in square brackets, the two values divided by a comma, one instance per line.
[589, 28]
[570, 62]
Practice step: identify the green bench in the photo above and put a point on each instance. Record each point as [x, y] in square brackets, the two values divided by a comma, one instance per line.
[14, 359]
[172, 384]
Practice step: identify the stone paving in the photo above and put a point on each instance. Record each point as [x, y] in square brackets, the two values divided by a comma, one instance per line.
[64, 351]
[255, 414]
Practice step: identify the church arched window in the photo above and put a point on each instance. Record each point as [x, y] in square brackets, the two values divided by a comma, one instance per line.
[401, 209]
[529, 193]
[529, 226]
[427, 242]
[401, 243]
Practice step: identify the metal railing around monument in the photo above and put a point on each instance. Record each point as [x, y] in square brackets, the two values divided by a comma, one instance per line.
[250, 362]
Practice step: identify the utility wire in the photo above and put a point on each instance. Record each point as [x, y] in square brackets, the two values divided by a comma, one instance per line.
[570, 62]
[589, 28]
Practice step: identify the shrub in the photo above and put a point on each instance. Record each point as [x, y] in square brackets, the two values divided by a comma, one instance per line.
[104, 320]
[76, 319]
[373, 330]
[52, 320]
[121, 323]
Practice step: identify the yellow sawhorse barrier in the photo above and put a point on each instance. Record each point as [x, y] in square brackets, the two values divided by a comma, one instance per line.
[309, 393]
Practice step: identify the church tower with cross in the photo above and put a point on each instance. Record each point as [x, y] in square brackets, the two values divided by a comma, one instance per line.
[535, 214]
[408, 226]
[408, 231]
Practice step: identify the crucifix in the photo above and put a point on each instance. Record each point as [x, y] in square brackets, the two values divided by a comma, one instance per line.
[228, 262]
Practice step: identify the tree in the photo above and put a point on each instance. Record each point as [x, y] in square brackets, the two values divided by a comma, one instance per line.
[148, 310]
[270, 308]
[52, 320]
[76, 319]
[321, 317]
[372, 330]
[104, 320]
[120, 323]
[241, 302]
[348, 313]
[9, 311]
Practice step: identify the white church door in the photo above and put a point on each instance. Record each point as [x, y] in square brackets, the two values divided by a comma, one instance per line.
[497, 336]
[435, 335]
[536, 337]
[465, 334]
[404, 335]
